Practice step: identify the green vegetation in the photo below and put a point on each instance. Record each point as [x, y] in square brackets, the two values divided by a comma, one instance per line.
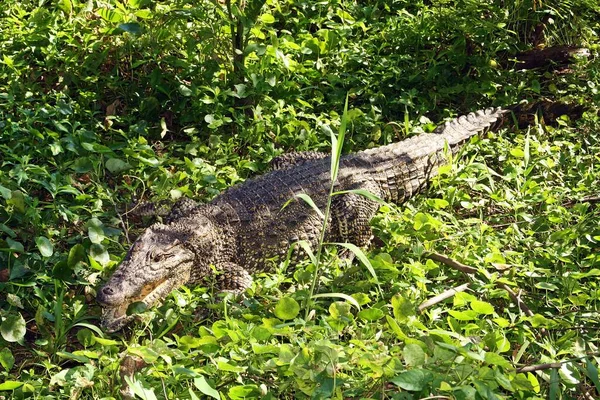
[106, 103]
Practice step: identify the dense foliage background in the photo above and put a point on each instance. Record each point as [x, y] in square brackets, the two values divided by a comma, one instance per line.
[105, 103]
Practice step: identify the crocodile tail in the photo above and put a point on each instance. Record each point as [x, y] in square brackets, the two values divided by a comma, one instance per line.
[460, 129]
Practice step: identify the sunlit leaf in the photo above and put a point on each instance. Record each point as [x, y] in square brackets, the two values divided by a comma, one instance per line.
[44, 246]
[412, 380]
[287, 308]
[110, 15]
[203, 386]
[7, 360]
[13, 328]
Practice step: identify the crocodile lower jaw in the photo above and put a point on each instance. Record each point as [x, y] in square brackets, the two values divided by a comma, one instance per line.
[115, 317]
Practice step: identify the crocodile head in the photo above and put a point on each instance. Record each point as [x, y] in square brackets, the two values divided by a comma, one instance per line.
[160, 260]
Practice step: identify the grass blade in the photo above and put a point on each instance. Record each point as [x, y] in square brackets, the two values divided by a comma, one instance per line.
[363, 259]
[306, 247]
[338, 143]
[350, 299]
[364, 193]
[592, 373]
[308, 200]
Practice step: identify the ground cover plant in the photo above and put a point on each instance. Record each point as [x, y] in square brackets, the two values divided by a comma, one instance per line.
[104, 104]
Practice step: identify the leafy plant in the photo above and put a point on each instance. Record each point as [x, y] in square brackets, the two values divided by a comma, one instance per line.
[106, 104]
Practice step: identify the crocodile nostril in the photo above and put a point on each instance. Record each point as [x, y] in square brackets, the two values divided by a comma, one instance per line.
[107, 291]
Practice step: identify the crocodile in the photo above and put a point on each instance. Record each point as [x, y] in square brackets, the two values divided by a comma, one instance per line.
[248, 227]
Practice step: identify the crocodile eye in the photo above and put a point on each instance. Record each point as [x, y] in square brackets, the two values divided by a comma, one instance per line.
[161, 257]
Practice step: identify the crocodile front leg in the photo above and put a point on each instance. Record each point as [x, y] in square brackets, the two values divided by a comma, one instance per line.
[232, 278]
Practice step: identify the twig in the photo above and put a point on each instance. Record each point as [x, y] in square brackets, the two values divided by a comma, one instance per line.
[470, 270]
[540, 367]
[586, 199]
[516, 298]
[452, 263]
[442, 296]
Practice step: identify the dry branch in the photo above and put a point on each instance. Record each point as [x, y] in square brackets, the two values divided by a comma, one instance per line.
[442, 296]
[469, 270]
[452, 263]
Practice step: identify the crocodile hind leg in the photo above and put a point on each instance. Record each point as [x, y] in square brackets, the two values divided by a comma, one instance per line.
[351, 215]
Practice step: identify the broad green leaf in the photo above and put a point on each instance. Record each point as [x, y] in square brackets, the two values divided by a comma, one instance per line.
[361, 298]
[95, 231]
[5, 192]
[66, 6]
[147, 354]
[105, 342]
[99, 253]
[139, 390]
[144, 14]
[187, 92]
[13, 328]
[206, 389]
[244, 392]
[44, 246]
[61, 270]
[395, 328]
[402, 308]
[267, 18]
[517, 152]
[14, 300]
[339, 309]
[76, 254]
[412, 380]
[71, 356]
[17, 200]
[7, 360]
[413, 355]
[496, 359]
[482, 307]
[438, 204]
[93, 328]
[131, 27]
[538, 320]
[137, 307]
[464, 315]
[287, 308]
[85, 337]
[110, 15]
[116, 165]
[534, 382]
[14, 245]
[224, 365]
[370, 314]
[546, 286]
[10, 385]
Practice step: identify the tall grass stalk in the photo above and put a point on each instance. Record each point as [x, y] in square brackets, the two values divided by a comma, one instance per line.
[336, 152]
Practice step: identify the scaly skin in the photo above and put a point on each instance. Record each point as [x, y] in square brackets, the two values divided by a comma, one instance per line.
[247, 228]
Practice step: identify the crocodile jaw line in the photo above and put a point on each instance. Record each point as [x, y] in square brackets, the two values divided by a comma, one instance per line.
[115, 317]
